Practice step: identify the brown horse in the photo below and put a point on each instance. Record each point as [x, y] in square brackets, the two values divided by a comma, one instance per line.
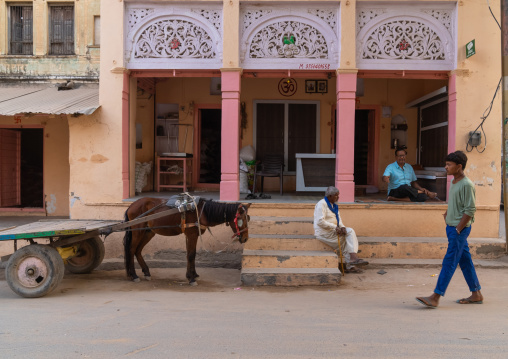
[192, 223]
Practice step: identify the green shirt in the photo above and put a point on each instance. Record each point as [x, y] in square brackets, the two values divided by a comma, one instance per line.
[461, 201]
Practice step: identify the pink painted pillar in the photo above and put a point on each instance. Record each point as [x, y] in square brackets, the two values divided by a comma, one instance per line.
[452, 120]
[345, 154]
[230, 140]
[125, 135]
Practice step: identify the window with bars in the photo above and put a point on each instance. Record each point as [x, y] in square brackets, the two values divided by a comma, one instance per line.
[61, 30]
[21, 30]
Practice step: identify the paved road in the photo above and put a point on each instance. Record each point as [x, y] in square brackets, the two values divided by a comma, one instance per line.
[102, 315]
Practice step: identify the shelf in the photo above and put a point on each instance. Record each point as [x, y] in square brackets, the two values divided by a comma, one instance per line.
[185, 163]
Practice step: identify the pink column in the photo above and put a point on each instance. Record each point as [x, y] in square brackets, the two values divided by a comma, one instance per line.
[452, 120]
[345, 154]
[230, 140]
[125, 135]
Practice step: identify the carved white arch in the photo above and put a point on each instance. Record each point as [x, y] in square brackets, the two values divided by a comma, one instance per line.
[304, 53]
[200, 43]
[430, 45]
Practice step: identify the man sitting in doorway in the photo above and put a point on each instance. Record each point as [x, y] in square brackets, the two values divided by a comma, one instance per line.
[401, 179]
[328, 227]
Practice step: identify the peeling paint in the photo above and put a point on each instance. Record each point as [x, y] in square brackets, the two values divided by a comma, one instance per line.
[473, 167]
[99, 159]
[74, 199]
[493, 166]
[490, 180]
[82, 159]
[51, 204]
[282, 258]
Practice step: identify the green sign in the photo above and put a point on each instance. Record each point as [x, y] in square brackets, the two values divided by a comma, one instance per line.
[470, 49]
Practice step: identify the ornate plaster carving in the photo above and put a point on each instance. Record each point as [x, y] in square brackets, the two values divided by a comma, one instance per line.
[212, 16]
[402, 39]
[173, 38]
[137, 15]
[288, 39]
[250, 16]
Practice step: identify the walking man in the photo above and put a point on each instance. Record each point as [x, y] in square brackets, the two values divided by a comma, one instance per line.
[458, 217]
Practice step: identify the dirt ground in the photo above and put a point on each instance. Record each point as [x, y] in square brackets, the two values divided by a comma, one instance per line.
[103, 315]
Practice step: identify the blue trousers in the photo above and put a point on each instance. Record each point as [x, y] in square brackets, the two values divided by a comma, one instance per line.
[457, 254]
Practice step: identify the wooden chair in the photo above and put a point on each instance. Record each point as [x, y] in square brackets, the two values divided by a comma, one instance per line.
[270, 166]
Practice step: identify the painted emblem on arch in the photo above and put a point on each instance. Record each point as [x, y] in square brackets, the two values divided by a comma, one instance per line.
[175, 44]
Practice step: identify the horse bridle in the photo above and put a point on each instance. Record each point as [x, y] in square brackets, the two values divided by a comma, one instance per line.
[239, 232]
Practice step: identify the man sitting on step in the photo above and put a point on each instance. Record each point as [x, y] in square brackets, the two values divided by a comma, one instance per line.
[328, 227]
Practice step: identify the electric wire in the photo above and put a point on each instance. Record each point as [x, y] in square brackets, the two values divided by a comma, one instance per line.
[486, 113]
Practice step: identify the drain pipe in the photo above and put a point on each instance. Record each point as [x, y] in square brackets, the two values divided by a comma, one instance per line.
[504, 61]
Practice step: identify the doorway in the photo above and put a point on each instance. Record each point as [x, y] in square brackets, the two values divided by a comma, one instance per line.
[364, 161]
[209, 150]
[21, 168]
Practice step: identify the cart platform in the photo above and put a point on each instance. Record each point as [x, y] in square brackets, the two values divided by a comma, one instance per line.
[53, 228]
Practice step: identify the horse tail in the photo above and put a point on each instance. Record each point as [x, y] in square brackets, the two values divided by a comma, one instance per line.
[127, 243]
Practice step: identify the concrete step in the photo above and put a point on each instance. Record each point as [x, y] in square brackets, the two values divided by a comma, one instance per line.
[383, 263]
[426, 247]
[281, 225]
[289, 242]
[380, 247]
[288, 259]
[290, 276]
[297, 209]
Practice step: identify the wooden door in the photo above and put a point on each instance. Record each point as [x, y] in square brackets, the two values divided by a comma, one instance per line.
[269, 129]
[301, 131]
[10, 168]
[434, 133]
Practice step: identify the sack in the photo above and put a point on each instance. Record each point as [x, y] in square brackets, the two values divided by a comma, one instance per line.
[248, 153]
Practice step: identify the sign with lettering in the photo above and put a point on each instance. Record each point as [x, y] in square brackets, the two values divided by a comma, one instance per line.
[470, 49]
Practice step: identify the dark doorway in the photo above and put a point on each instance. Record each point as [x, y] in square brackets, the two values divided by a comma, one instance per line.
[21, 168]
[31, 167]
[361, 147]
[210, 146]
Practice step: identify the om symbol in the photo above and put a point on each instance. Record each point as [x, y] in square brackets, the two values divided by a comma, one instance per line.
[287, 87]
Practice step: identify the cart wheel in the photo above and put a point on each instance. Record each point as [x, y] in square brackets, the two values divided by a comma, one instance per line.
[90, 255]
[34, 271]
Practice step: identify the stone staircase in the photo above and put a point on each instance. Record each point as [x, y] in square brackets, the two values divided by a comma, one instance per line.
[283, 251]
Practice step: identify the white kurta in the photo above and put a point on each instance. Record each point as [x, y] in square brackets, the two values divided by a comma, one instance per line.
[324, 230]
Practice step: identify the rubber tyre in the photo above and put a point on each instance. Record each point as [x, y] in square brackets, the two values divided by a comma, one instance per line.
[34, 271]
[90, 255]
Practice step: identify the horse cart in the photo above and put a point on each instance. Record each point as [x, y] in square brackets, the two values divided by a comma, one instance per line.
[36, 269]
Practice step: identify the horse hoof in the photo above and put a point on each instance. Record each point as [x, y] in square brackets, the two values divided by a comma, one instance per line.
[193, 283]
[136, 280]
[147, 277]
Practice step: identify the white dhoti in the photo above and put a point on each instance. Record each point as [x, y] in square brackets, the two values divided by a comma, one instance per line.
[349, 242]
[325, 224]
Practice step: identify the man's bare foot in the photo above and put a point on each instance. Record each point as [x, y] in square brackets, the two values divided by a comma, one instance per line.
[431, 195]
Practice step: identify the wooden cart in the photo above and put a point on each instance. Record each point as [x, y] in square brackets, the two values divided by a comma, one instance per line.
[36, 269]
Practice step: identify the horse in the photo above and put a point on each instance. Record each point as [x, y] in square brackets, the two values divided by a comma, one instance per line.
[207, 213]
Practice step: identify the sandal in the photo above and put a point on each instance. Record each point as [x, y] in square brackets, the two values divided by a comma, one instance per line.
[251, 196]
[359, 262]
[264, 196]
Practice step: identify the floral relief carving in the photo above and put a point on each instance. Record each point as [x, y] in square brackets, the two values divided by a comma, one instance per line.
[213, 16]
[288, 39]
[364, 16]
[443, 16]
[328, 16]
[175, 39]
[136, 15]
[408, 40]
[251, 16]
